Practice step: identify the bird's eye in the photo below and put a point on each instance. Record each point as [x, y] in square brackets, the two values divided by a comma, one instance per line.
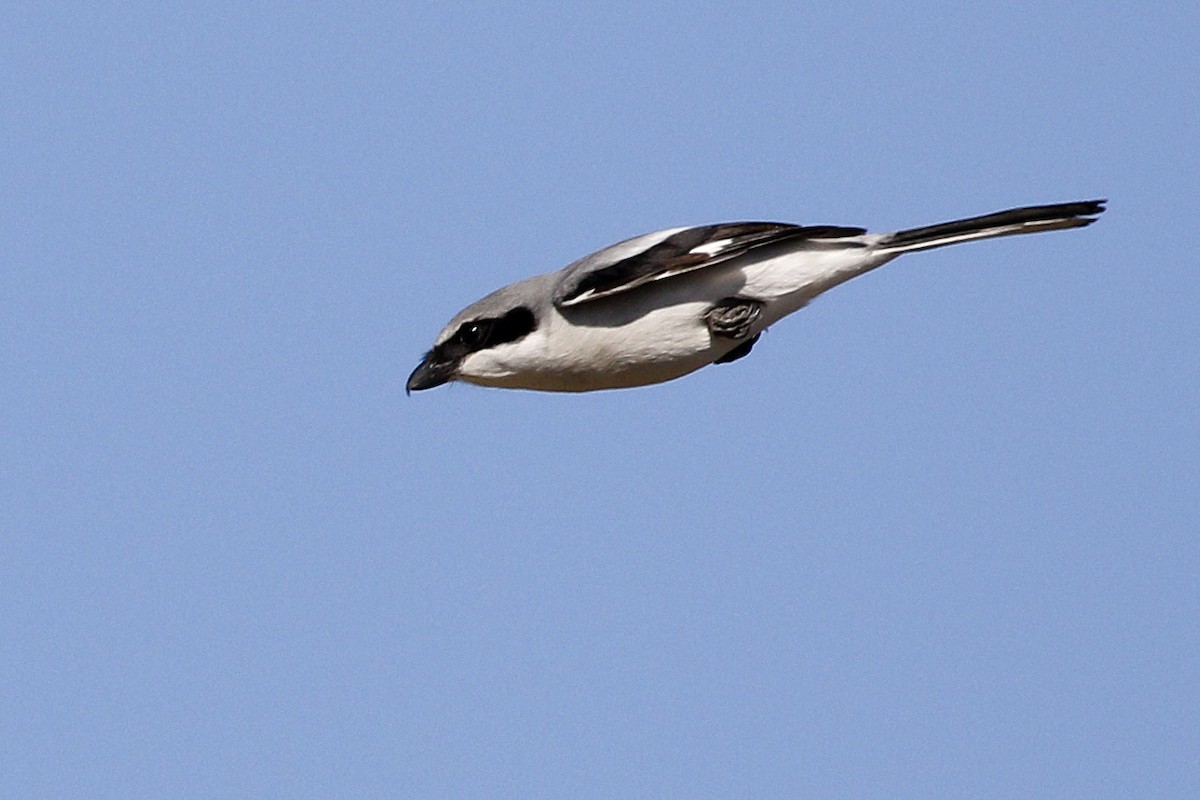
[473, 334]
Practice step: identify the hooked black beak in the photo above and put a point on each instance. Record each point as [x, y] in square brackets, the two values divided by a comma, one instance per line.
[428, 374]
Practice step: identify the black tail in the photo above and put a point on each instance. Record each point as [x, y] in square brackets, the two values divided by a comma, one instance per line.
[1031, 219]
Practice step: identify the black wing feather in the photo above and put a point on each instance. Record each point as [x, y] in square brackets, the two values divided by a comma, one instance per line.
[675, 255]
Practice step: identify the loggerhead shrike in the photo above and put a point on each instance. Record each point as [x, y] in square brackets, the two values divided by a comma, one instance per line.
[664, 304]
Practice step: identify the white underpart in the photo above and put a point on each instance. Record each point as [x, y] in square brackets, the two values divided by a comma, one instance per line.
[788, 282]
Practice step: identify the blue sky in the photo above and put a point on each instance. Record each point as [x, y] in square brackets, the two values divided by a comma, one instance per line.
[936, 537]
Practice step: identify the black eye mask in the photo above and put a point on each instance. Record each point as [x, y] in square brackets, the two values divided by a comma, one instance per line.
[480, 334]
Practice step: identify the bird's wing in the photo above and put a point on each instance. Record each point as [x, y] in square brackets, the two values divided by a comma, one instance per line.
[665, 254]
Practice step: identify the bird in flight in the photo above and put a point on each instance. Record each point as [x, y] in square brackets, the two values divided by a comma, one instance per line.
[661, 305]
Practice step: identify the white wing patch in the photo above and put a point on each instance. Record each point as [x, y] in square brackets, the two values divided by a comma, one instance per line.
[712, 248]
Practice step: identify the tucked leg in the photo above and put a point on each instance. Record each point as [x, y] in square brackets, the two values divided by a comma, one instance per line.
[732, 317]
